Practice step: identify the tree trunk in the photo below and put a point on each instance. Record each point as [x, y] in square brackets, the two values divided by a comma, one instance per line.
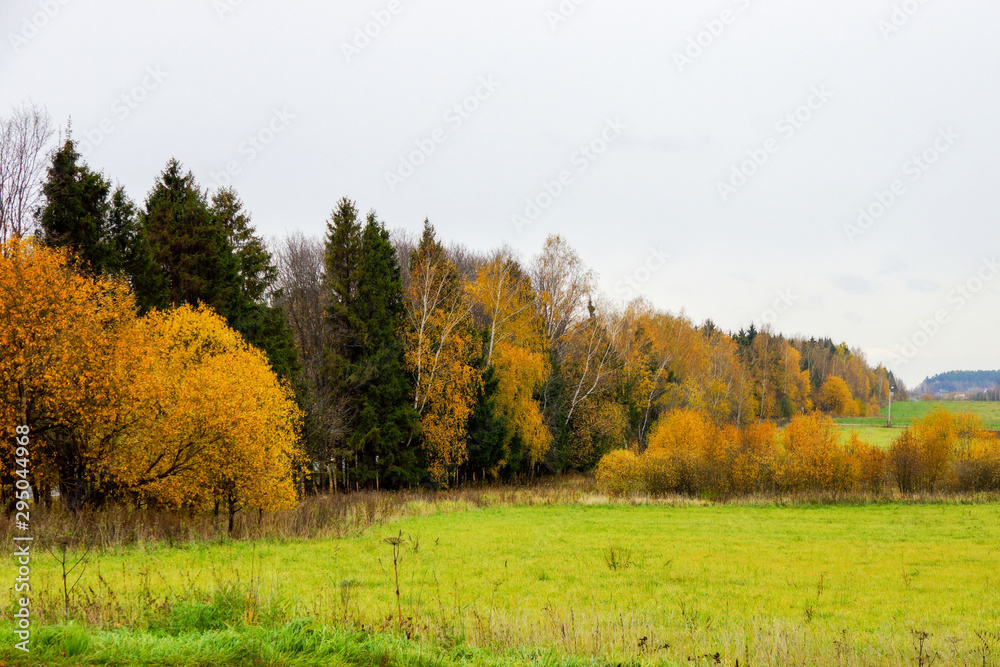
[231, 502]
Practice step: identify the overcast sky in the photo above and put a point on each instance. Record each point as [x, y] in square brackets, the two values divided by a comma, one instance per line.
[711, 156]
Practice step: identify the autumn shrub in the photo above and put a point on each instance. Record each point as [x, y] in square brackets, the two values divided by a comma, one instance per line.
[718, 459]
[904, 461]
[751, 460]
[684, 448]
[867, 464]
[813, 458]
[936, 434]
[665, 472]
[968, 427]
[919, 458]
[976, 467]
[619, 472]
[688, 453]
[682, 429]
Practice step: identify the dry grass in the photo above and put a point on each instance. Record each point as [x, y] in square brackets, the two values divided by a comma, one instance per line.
[343, 515]
[323, 516]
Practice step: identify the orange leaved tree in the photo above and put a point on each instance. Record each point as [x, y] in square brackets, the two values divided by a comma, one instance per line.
[214, 421]
[58, 333]
[173, 408]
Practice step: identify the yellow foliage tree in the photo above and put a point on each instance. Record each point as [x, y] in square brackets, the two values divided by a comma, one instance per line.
[58, 331]
[174, 407]
[665, 348]
[725, 380]
[796, 385]
[519, 371]
[683, 445]
[215, 423]
[835, 397]
[502, 298]
[439, 351]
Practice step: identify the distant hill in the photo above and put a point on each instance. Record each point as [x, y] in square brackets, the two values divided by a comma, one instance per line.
[960, 381]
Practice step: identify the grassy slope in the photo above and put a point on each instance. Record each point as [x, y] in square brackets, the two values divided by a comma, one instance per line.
[905, 412]
[873, 430]
[739, 580]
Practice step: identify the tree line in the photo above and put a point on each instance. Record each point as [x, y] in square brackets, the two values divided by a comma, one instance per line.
[973, 382]
[412, 361]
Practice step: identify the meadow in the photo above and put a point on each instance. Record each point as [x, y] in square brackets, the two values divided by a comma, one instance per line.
[565, 580]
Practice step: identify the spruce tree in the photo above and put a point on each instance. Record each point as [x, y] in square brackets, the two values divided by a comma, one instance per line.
[364, 354]
[198, 251]
[386, 423]
[75, 208]
[189, 245]
[343, 248]
[131, 253]
[256, 269]
[494, 447]
[100, 225]
[249, 311]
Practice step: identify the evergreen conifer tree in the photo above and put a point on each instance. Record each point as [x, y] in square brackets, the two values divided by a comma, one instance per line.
[365, 355]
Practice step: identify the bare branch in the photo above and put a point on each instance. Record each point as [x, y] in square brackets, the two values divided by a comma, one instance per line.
[23, 138]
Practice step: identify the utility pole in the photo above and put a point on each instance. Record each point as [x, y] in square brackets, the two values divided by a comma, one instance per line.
[888, 421]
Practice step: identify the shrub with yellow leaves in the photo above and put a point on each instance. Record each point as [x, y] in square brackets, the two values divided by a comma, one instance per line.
[977, 466]
[813, 458]
[619, 472]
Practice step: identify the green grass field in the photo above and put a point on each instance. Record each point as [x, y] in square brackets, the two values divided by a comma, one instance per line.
[873, 429]
[601, 584]
[880, 436]
[903, 413]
